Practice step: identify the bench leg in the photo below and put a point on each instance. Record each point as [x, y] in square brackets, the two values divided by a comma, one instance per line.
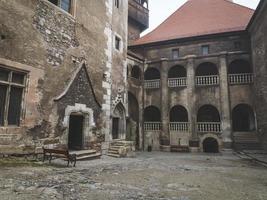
[50, 158]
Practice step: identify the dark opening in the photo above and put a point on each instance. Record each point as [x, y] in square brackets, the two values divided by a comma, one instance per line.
[205, 49]
[76, 132]
[115, 127]
[206, 69]
[208, 113]
[136, 72]
[152, 114]
[239, 67]
[210, 145]
[3, 90]
[243, 118]
[133, 109]
[117, 43]
[152, 74]
[177, 72]
[54, 2]
[178, 114]
[14, 108]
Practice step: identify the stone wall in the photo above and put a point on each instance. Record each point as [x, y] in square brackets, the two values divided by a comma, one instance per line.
[51, 44]
[257, 30]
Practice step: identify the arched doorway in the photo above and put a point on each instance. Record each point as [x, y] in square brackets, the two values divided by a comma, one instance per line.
[243, 118]
[119, 122]
[133, 122]
[75, 137]
[206, 69]
[208, 113]
[152, 114]
[210, 145]
[152, 74]
[178, 114]
[239, 67]
[177, 71]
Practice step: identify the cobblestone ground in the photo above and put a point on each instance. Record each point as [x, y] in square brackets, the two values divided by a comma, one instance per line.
[149, 176]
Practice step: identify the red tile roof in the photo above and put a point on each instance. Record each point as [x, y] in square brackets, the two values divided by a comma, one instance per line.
[200, 17]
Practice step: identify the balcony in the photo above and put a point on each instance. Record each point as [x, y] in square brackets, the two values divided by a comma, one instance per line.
[209, 127]
[138, 13]
[177, 82]
[207, 80]
[244, 78]
[152, 84]
[152, 126]
[179, 126]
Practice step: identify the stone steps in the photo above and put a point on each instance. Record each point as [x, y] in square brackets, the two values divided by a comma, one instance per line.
[246, 141]
[120, 148]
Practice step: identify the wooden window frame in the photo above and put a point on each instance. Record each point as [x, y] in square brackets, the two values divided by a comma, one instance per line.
[72, 10]
[173, 55]
[203, 53]
[9, 83]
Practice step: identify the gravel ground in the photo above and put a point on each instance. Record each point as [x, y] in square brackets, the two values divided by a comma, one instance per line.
[149, 176]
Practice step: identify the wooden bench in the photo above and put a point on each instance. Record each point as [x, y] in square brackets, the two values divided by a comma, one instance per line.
[49, 153]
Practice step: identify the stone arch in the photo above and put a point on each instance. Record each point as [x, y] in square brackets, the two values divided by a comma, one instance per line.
[210, 143]
[88, 123]
[152, 74]
[178, 113]
[206, 69]
[177, 71]
[243, 118]
[119, 122]
[152, 114]
[239, 66]
[208, 113]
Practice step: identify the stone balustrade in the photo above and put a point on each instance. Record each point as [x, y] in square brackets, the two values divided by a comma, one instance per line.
[152, 126]
[179, 126]
[246, 78]
[177, 82]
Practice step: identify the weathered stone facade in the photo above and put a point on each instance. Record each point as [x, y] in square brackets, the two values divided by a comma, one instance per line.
[49, 45]
[257, 29]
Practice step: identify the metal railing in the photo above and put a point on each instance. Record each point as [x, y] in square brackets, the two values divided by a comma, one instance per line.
[213, 127]
[177, 82]
[245, 78]
[152, 84]
[152, 126]
[179, 126]
[207, 80]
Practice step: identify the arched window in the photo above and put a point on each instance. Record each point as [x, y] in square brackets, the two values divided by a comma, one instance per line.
[152, 114]
[178, 114]
[136, 72]
[208, 113]
[239, 67]
[206, 69]
[152, 74]
[177, 72]
[243, 118]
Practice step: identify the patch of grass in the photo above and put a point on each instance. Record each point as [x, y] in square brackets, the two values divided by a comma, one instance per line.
[19, 162]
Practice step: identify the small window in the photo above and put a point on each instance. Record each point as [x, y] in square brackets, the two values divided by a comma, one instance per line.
[237, 45]
[63, 4]
[12, 86]
[117, 43]
[175, 53]
[205, 49]
[117, 3]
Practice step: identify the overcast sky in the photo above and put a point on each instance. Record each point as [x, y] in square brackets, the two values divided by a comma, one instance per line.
[161, 9]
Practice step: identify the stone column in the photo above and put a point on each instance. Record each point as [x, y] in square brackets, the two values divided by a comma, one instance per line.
[225, 102]
[191, 97]
[164, 99]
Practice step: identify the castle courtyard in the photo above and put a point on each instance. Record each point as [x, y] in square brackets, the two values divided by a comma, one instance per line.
[148, 176]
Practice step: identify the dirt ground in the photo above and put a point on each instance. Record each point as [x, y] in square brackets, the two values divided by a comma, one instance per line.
[149, 176]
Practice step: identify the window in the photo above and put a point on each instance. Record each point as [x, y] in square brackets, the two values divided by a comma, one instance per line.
[117, 43]
[63, 4]
[117, 3]
[12, 86]
[175, 53]
[205, 49]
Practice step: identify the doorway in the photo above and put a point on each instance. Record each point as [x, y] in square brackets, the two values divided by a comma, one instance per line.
[115, 127]
[210, 145]
[75, 140]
